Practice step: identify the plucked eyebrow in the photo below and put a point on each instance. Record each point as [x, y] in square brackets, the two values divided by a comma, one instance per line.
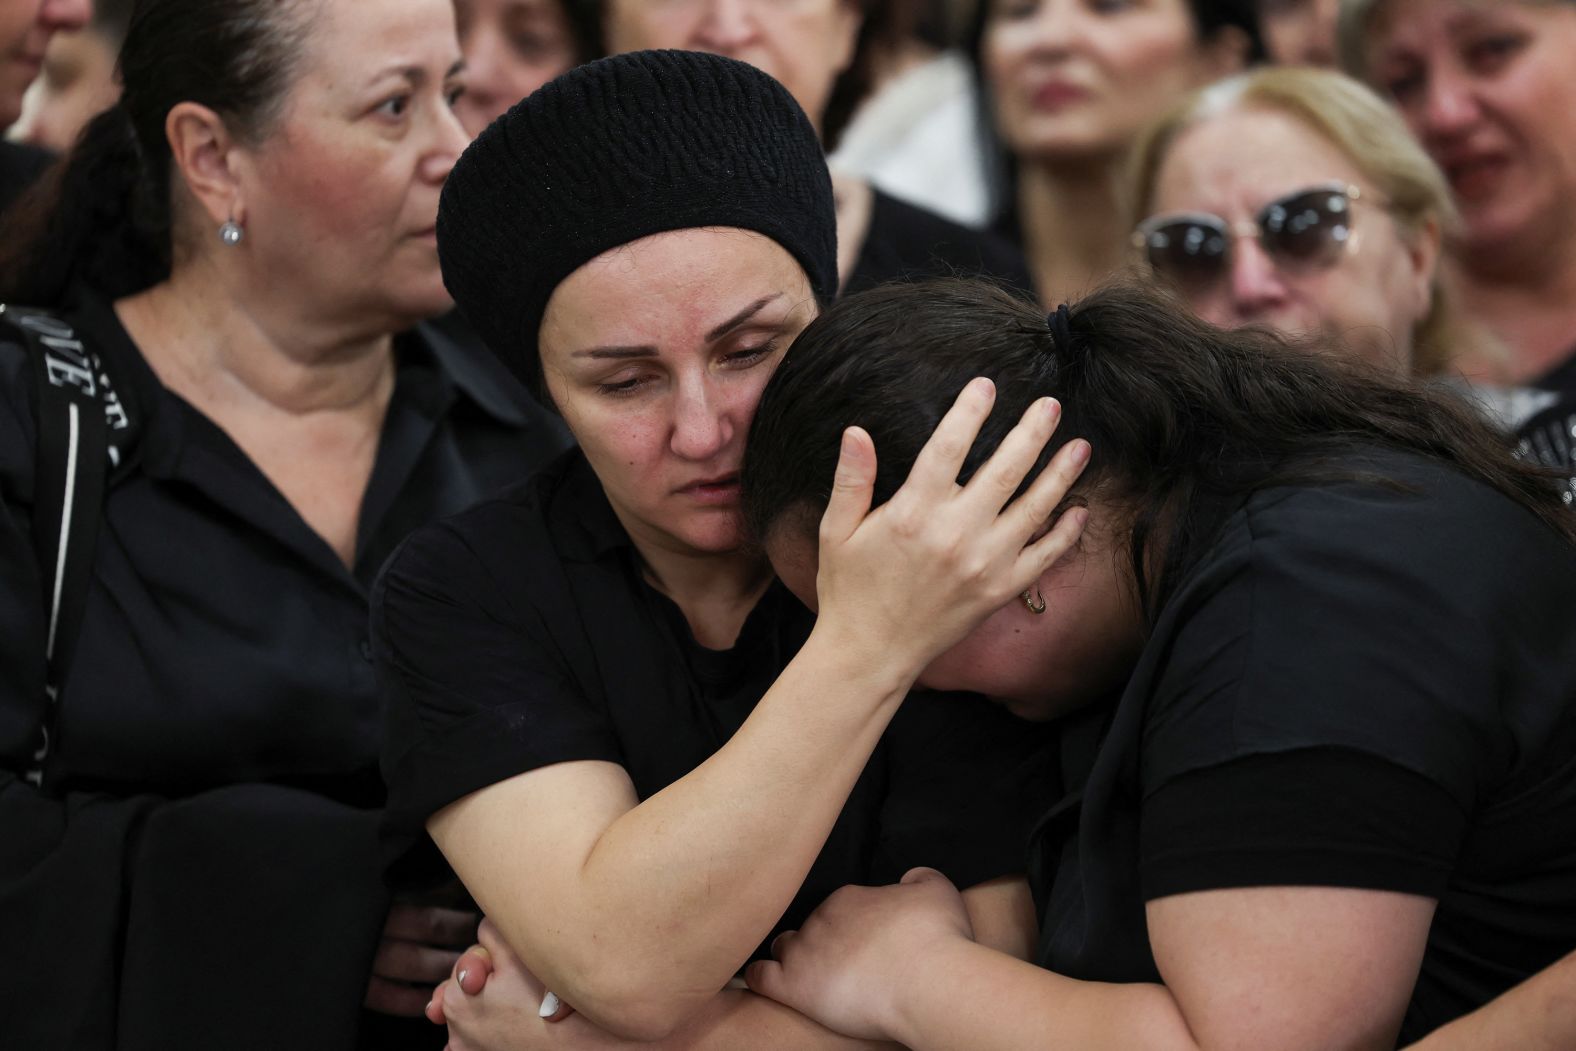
[647, 351]
[418, 75]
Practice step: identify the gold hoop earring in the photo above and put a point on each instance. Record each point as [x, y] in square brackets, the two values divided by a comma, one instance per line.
[1034, 604]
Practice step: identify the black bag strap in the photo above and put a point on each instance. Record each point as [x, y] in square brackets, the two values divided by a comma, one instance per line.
[77, 409]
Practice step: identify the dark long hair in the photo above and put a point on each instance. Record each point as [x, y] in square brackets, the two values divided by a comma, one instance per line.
[103, 215]
[1185, 419]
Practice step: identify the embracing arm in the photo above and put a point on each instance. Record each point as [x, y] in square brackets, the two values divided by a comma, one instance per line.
[1284, 967]
[1537, 1015]
[638, 912]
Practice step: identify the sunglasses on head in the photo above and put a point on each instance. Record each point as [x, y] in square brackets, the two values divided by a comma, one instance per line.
[1306, 230]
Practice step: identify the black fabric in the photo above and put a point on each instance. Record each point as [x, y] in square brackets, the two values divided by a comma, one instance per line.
[522, 633]
[906, 243]
[616, 150]
[20, 167]
[223, 676]
[1328, 817]
[1426, 629]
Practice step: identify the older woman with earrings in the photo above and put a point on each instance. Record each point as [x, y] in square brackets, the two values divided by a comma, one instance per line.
[1066, 86]
[244, 246]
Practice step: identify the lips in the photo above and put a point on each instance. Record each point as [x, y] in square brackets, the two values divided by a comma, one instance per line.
[721, 489]
[1057, 94]
[1474, 176]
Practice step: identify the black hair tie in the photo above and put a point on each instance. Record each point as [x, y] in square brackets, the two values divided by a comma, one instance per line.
[1060, 323]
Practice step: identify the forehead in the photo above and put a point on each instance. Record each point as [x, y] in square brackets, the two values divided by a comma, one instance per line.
[352, 42]
[1243, 158]
[673, 287]
[1417, 23]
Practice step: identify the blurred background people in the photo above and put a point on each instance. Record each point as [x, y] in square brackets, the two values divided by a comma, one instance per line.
[25, 29]
[246, 242]
[912, 133]
[816, 50]
[1299, 32]
[1487, 89]
[513, 47]
[1295, 199]
[78, 79]
[1067, 85]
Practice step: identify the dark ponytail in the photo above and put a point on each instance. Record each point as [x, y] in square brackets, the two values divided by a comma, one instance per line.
[102, 216]
[1186, 419]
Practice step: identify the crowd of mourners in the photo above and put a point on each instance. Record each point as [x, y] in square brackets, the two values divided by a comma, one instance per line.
[808, 524]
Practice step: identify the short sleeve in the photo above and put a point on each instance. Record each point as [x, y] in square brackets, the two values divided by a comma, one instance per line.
[966, 783]
[476, 689]
[1324, 817]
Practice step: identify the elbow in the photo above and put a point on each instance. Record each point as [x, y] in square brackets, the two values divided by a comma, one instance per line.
[632, 1006]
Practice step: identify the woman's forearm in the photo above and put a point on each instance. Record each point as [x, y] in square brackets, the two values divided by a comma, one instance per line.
[657, 912]
[978, 998]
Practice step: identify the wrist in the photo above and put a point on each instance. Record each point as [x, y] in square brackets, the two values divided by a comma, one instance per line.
[883, 674]
[928, 985]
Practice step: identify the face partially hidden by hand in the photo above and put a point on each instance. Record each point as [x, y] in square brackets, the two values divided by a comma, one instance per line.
[1038, 666]
[25, 29]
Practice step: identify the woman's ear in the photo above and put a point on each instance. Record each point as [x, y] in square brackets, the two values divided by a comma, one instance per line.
[202, 150]
[1422, 252]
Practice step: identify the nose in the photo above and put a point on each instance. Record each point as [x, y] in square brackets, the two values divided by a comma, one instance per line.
[65, 15]
[1449, 106]
[1256, 283]
[702, 424]
[449, 139]
[1058, 26]
[726, 26]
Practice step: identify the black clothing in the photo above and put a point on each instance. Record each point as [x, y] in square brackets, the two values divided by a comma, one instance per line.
[523, 633]
[908, 243]
[217, 735]
[619, 149]
[1548, 437]
[1357, 686]
[20, 167]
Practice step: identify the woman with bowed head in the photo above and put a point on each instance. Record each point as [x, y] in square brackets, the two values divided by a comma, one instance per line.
[1487, 90]
[1066, 86]
[238, 254]
[817, 50]
[642, 755]
[1336, 610]
[1295, 199]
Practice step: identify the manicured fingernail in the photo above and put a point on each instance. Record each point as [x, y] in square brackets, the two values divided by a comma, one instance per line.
[428, 1008]
[1050, 408]
[1081, 450]
[849, 445]
[549, 1006]
[462, 975]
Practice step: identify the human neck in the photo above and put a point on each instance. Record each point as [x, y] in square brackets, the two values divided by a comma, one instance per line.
[223, 352]
[1072, 222]
[715, 591]
[1528, 300]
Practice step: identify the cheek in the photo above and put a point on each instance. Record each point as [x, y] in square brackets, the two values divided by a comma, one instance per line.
[328, 194]
[631, 27]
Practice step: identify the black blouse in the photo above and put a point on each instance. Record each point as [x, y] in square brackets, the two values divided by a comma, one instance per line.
[224, 641]
[523, 633]
[1362, 685]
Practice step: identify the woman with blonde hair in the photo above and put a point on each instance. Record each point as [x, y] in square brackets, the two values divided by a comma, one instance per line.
[1294, 198]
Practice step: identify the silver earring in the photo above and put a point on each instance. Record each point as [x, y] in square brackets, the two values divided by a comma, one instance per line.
[231, 233]
[1033, 601]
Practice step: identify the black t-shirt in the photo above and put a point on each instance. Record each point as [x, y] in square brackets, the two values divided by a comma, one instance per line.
[1359, 686]
[522, 633]
[907, 243]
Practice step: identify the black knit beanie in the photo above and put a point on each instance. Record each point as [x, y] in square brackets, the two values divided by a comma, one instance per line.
[616, 150]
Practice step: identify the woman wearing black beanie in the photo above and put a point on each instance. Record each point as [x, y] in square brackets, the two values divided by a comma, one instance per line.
[620, 730]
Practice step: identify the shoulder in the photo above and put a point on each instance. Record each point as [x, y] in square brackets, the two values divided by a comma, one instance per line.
[1402, 615]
